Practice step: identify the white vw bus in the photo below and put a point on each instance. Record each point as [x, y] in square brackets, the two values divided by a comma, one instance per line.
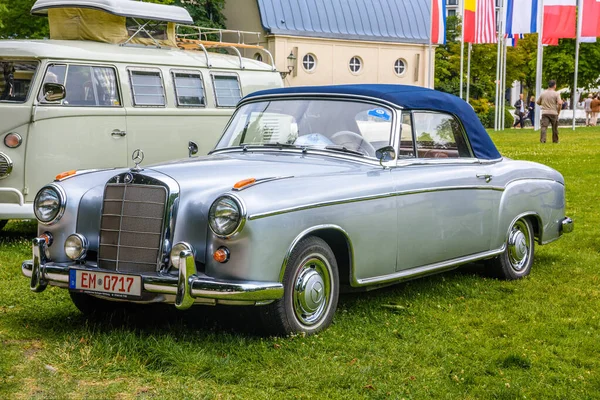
[114, 77]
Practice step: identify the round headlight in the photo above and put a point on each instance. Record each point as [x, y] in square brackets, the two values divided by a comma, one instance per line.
[76, 247]
[49, 204]
[176, 251]
[226, 216]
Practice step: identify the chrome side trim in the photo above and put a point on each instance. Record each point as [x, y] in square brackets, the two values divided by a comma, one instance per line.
[371, 197]
[310, 230]
[427, 269]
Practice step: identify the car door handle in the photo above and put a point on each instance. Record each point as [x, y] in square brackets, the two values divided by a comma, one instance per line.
[118, 132]
[487, 177]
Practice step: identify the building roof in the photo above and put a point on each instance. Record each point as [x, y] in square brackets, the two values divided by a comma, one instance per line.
[409, 97]
[404, 21]
[123, 8]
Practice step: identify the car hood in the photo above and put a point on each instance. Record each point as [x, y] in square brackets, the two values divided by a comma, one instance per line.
[219, 172]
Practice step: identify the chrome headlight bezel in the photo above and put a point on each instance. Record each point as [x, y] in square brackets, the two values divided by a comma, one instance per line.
[62, 203]
[239, 223]
[83, 244]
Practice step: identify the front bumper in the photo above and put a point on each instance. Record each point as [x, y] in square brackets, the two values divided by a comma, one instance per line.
[16, 209]
[566, 225]
[184, 290]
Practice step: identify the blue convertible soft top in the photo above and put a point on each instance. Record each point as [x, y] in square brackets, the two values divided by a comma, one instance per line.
[414, 98]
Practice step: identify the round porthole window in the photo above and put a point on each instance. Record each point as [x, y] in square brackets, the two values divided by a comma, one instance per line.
[355, 64]
[309, 62]
[400, 67]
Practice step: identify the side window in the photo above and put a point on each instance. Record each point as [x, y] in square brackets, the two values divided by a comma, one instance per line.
[227, 90]
[189, 89]
[147, 87]
[439, 136]
[55, 73]
[407, 147]
[87, 86]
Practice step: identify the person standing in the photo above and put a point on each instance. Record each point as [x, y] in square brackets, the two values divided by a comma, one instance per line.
[520, 112]
[588, 109]
[550, 103]
[595, 106]
[532, 110]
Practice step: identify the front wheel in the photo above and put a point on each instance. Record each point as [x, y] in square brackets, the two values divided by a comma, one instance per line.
[517, 259]
[311, 289]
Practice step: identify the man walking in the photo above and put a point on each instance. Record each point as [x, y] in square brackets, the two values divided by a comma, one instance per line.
[520, 112]
[588, 109]
[550, 103]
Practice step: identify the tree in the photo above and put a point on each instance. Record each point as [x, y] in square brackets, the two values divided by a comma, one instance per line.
[17, 22]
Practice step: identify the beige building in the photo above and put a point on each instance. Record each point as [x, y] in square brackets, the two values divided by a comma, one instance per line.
[358, 41]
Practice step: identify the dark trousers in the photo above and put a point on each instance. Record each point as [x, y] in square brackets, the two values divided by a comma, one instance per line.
[520, 120]
[532, 117]
[547, 120]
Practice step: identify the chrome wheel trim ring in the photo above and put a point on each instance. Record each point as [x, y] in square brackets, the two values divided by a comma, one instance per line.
[311, 294]
[519, 243]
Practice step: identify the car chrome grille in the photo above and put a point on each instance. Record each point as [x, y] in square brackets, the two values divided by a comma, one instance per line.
[5, 165]
[131, 228]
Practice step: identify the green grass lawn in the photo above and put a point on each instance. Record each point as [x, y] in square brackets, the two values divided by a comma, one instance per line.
[457, 335]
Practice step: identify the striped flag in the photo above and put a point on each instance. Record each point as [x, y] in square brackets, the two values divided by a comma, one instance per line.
[521, 16]
[479, 21]
[438, 22]
[590, 25]
[559, 20]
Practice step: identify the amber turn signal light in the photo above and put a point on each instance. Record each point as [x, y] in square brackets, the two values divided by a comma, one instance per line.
[47, 236]
[65, 174]
[221, 255]
[12, 140]
[244, 183]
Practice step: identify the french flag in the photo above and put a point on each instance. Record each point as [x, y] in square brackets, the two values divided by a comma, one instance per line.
[521, 16]
[438, 22]
[560, 20]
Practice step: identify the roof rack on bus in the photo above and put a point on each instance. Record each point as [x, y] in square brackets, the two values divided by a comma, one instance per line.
[201, 38]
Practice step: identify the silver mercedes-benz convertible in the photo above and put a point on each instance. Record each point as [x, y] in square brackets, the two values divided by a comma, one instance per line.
[310, 191]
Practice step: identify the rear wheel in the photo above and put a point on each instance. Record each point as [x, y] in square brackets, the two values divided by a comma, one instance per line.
[517, 259]
[311, 289]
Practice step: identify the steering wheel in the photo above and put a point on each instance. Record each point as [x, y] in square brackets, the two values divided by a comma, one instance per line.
[353, 141]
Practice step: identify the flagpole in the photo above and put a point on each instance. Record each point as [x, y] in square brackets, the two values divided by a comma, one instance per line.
[503, 106]
[462, 49]
[577, 45]
[468, 70]
[497, 101]
[540, 62]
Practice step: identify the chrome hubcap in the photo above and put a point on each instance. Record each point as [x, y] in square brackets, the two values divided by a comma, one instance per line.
[518, 246]
[312, 288]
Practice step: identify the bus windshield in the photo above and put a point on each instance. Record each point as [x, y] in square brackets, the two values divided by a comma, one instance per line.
[15, 80]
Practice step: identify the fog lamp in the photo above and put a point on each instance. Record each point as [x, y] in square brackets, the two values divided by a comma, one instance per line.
[76, 247]
[176, 251]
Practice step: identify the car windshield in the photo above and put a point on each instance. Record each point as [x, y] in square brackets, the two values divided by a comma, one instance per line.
[15, 80]
[346, 126]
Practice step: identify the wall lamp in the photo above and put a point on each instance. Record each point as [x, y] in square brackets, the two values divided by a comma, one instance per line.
[291, 63]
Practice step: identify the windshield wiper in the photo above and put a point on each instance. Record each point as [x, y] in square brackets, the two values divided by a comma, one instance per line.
[280, 145]
[344, 149]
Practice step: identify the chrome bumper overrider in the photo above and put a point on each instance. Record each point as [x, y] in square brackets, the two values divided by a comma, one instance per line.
[566, 225]
[186, 287]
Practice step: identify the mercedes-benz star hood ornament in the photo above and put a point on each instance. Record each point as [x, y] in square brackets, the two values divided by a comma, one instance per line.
[137, 156]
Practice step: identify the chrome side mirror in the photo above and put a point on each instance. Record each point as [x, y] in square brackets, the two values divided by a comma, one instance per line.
[54, 91]
[192, 149]
[386, 153]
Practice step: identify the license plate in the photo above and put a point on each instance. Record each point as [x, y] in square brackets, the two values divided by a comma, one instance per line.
[114, 285]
